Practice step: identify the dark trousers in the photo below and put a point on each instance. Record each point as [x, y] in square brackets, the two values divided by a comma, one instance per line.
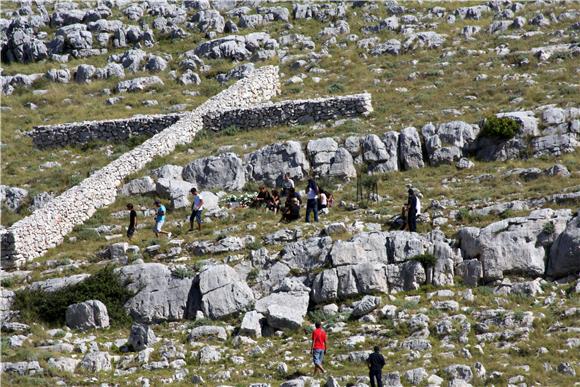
[378, 376]
[412, 221]
[312, 205]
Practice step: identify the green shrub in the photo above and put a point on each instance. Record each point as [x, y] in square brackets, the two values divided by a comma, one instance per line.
[549, 228]
[427, 260]
[500, 127]
[105, 286]
[255, 245]
[335, 88]
[183, 272]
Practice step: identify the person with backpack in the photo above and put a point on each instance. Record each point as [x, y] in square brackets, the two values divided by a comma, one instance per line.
[376, 362]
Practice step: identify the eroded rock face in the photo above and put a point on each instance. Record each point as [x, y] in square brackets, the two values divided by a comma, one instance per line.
[565, 252]
[159, 296]
[515, 245]
[284, 310]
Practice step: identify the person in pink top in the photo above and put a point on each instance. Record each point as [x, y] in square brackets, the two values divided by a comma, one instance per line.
[318, 347]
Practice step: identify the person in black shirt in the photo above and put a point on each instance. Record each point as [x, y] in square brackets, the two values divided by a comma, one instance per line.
[132, 221]
[412, 211]
[376, 362]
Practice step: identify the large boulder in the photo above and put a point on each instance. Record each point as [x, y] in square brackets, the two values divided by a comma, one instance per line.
[236, 47]
[53, 284]
[223, 293]
[381, 154]
[138, 84]
[285, 310]
[410, 150]
[327, 159]
[96, 362]
[159, 296]
[220, 172]
[565, 252]
[514, 245]
[268, 164]
[176, 190]
[141, 337]
[90, 314]
[12, 197]
[141, 186]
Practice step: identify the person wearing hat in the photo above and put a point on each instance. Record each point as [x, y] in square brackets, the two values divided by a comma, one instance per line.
[160, 219]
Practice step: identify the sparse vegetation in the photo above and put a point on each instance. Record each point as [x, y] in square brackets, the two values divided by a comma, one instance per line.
[500, 127]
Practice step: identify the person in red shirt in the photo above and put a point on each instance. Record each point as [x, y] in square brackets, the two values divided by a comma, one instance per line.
[318, 347]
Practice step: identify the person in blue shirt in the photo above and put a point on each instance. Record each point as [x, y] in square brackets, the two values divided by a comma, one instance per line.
[160, 219]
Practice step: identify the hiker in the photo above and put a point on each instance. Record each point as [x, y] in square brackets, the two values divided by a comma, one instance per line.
[318, 347]
[287, 184]
[291, 210]
[160, 219]
[412, 211]
[311, 202]
[196, 210]
[132, 221]
[274, 201]
[262, 198]
[376, 362]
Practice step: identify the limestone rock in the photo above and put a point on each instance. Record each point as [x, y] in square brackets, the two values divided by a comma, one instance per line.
[565, 252]
[222, 172]
[141, 337]
[87, 315]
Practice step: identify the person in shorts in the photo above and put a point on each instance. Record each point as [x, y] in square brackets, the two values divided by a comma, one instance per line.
[196, 210]
[160, 220]
[318, 347]
[132, 221]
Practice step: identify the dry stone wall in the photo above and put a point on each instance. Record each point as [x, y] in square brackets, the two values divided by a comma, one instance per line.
[266, 115]
[46, 136]
[290, 112]
[46, 227]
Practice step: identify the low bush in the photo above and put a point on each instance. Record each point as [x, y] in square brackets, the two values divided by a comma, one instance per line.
[500, 127]
[105, 286]
[427, 260]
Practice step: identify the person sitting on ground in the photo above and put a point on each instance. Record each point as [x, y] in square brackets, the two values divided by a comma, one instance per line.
[293, 194]
[160, 219]
[262, 198]
[274, 202]
[329, 199]
[287, 184]
[132, 221]
[196, 210]
[291, 210]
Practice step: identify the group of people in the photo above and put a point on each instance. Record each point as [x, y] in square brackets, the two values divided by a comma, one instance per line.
[161, 212]
[375, 360]
[317, 200]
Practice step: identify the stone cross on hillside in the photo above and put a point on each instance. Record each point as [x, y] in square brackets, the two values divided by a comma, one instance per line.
[46, 228]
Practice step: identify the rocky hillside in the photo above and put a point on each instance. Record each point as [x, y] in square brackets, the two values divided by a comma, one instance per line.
[474, 105]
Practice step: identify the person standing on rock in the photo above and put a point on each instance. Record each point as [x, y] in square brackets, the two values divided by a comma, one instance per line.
[312, 200]
[132, 221]
[196, 210]
[412, 211]
[160, 220]
[376, 362]
[318, 348]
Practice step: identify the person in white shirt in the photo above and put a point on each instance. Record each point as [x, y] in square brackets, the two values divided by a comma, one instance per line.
[196, 210]
[312, 200]
[322, 202]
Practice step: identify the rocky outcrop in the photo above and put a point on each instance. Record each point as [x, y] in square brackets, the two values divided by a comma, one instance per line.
[223, 293]
[514, 245]
[268, 164]
[565, 251]
[219, 172]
